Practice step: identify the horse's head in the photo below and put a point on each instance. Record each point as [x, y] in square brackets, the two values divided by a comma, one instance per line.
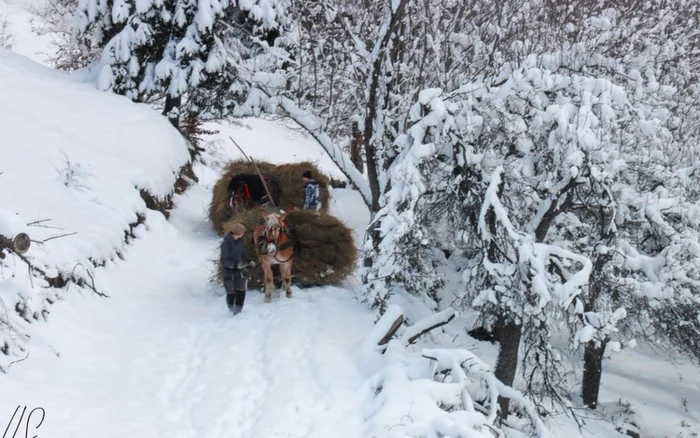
[274, 229]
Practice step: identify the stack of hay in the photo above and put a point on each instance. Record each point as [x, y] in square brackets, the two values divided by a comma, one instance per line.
[327, 252]
[289, 175]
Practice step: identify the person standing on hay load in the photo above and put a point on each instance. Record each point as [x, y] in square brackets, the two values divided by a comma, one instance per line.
[234, 260]
[312, 193]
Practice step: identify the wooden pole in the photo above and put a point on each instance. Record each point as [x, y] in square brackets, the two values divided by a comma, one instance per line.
[269, 195]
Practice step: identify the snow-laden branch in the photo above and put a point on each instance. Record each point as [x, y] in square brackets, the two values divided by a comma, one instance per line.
[436, 390]
[493, 203]
[385, 328]
[312, 124]
[428, 324]
[462, 364]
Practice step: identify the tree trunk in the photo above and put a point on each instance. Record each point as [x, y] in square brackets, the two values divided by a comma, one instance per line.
[172, 110]
[507, 363]
[373, 103]
[508, 333]
[592, 372]
[356, 147]
[370, 155]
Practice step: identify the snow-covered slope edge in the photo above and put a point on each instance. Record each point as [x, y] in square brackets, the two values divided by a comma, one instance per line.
[75, 167]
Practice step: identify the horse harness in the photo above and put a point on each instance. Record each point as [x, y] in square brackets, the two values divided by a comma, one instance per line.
[268, 239]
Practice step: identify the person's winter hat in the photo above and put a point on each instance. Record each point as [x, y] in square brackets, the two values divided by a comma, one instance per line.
[307, 174]
[238, 229]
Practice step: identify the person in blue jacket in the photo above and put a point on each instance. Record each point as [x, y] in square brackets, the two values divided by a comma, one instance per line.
[234, 260]
[312, 193]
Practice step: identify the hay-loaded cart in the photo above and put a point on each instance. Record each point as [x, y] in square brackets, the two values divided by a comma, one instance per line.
[291, 192]
[326, 252]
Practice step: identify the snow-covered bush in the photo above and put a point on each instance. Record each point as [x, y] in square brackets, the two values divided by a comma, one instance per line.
[436, 392]
[55, 19]
[7, 38]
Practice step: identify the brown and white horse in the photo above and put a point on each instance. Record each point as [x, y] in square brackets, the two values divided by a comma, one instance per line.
[274, 245]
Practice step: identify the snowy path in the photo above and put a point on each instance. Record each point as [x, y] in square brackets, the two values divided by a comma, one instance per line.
[163, 358]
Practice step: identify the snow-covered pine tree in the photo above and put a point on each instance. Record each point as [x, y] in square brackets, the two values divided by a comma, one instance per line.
[172, 48]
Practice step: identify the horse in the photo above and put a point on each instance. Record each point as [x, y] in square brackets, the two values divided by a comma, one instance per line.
[248, 189]
[275, 245]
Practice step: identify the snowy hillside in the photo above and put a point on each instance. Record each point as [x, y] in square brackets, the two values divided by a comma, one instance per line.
[74, 165]
[546, 191]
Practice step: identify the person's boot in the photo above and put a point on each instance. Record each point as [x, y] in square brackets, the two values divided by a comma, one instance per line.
[229, 301]
[238, 304]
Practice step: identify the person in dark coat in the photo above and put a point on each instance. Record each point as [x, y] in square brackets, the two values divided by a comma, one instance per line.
[234, 260]
[312, 193]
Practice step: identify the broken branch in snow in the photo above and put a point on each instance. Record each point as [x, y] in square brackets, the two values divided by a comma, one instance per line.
[19, 244]
[392, 331]
[385, 328]
[428, 324]
[55, 237]
[37, 222]
[82, 282]
[40, 222]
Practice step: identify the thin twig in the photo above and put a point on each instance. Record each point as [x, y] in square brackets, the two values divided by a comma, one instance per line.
[38, 222]
[18, 360]
[55, 237]
[82, 282]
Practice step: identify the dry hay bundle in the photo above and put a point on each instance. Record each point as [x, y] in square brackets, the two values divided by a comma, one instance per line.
[326, 254]
[289, 175]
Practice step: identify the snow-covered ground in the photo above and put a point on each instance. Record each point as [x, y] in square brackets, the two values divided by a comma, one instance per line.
[57, 186]
[56, 133]
[163, 356]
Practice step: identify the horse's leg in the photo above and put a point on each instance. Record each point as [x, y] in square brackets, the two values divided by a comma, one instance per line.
[269, 283]
[286, 272]
[276, 292]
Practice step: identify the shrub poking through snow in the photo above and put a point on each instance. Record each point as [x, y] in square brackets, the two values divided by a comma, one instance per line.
[326, 255]
[289, 175]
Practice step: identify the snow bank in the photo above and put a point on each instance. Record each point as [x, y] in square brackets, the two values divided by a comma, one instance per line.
[73, 163]
[76, 159]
